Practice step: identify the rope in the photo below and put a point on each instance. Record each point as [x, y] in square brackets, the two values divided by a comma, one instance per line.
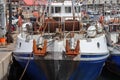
[116, 46]
[25, 67]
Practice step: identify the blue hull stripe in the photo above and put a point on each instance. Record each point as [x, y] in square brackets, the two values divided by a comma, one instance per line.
[87, 57]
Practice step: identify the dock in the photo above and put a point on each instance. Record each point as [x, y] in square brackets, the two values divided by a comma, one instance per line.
[6, 58]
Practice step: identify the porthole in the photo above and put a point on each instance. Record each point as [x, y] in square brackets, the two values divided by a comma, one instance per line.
[19, 44]
[98, 44]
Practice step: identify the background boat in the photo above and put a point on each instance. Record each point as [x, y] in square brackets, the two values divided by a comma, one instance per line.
[112, 28]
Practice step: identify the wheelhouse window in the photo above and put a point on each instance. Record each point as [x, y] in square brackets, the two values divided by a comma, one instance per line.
[47, 9]
[67, 9]
[57, 9]
[52, 9]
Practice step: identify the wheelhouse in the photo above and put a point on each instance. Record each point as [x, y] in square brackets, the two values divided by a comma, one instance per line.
[64, 10]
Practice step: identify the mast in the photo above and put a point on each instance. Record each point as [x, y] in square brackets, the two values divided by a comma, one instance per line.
[10, 17]
[49, 7]
[73, 9]
[49, 14]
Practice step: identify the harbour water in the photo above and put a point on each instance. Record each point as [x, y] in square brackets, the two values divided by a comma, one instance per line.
[105, 74]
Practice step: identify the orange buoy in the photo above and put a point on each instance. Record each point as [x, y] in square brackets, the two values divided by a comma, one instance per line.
[2, 40]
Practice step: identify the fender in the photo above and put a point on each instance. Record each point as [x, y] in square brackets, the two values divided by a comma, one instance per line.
[101, 19]
[19, 21]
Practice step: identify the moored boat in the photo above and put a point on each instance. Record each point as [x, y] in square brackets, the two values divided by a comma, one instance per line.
[64, 47]
[112, 28]
[113, 63]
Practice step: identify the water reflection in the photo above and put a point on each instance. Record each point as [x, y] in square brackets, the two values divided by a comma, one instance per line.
[107, 75]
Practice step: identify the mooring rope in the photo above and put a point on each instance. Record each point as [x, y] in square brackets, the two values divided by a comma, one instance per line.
[25, 67]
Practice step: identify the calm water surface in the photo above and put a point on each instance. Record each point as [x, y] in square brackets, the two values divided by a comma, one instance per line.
[107, 75]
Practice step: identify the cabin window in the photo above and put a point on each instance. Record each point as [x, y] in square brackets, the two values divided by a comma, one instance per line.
[47, 9]
[76, 9]
[114, 28]
[67, 9]
[52, 9]
[57, 9]
[98, 44]
[19, 44]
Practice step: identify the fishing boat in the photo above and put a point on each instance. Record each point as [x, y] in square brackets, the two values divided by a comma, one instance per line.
[64, 47]
[112, 28]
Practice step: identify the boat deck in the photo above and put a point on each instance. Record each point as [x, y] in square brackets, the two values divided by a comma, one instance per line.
[6, 58]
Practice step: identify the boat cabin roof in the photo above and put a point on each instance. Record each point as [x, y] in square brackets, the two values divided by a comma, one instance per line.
[65, 3]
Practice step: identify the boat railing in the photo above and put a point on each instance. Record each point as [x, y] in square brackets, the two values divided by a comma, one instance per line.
[114, 27]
